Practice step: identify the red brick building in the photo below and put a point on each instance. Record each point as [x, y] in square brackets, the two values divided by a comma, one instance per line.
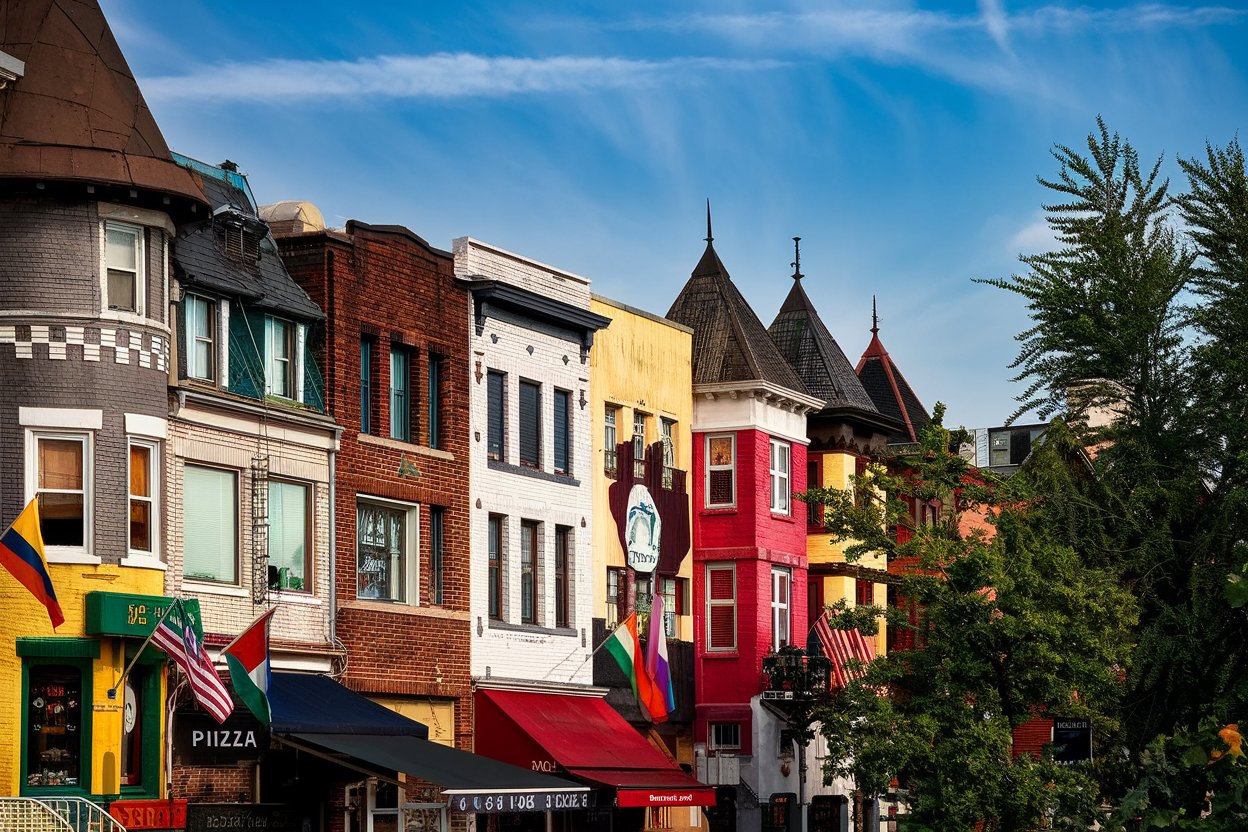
[396, 358]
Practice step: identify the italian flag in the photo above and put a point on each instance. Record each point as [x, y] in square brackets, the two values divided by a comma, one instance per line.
[248, 659]
[624, 645]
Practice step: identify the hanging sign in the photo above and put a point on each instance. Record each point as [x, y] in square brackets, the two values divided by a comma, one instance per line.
[642, 529]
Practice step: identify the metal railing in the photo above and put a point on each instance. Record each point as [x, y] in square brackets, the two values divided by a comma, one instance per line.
[26, 814]
[82, 815]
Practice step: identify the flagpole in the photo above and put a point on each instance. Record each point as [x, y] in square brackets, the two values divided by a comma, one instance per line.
[112, 692]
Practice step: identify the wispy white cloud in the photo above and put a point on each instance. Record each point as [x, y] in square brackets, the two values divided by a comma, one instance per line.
[1035, 236]
[996, 21]
[447, 75]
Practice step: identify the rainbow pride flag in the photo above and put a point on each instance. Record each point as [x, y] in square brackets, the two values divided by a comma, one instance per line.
[21, 552]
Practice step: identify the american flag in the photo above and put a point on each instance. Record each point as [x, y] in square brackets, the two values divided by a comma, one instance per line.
[175, 634]
[849, 650]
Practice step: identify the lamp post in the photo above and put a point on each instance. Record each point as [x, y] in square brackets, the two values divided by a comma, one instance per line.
[796, 681]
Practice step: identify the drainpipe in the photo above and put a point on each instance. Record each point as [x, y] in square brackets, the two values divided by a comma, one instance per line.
[333, 547]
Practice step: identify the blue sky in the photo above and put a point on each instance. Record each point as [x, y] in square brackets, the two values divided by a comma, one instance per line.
[901, 141]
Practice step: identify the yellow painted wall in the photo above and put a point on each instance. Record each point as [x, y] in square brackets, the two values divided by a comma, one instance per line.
[837, 468]
[639, 362]
[437, 714]
[21, 616]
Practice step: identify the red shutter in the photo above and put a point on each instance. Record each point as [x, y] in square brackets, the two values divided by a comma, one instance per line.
[723, 635]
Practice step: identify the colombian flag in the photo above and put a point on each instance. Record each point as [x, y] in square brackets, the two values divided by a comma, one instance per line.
[21, 552]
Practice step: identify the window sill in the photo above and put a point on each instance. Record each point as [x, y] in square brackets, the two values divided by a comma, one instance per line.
[137, 560]
[400, 445]
[190, 585]
[401, 608]
[535, 473]
[721, 654]
[138, 318]
[495, 624]
[293, 597]
[783, 518]
[714, 510]
[81, 558]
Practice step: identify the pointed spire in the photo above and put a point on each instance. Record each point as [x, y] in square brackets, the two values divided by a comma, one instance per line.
[710, 238]
[797, 259]
[875, 319]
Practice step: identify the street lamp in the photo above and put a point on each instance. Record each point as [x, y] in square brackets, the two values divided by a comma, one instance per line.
[796, 681]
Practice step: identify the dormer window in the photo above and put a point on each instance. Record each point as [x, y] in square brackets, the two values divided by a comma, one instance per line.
[239, 235]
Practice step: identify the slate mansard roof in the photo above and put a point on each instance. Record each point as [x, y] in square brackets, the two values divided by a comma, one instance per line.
[202, 261]
[809, 347]
[75, 113]
[729, 342]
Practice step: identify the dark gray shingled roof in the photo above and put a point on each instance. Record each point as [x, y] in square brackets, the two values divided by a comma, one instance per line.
[890, 391]
[729, 341]
[201, 261]
[809, 347]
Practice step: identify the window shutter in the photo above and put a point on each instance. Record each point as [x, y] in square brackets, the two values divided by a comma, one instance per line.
[562, 460]
[224, 342]
[530, 425]
[723, 628]
[495, 402]
[301, 343]
[720, 488]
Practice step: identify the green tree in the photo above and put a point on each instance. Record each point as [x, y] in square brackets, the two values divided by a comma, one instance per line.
[1013, 623]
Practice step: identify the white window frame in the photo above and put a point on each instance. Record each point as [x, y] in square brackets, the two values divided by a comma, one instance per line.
[153, 448]
[309, 546]
[732, 467]
[140, 267]
[780, 466]
[711, 603]
[66, 554]
[199, 580]
[193, 339]
[411, 534]
[781, 608]
[271, 360]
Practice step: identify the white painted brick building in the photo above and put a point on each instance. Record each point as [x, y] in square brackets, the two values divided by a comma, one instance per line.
[530, 466]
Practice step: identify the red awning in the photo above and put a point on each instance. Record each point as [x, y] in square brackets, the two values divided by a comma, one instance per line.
[585, 737]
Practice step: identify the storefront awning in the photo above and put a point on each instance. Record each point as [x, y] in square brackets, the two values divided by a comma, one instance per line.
[472, 783]
[319, 715]
[584, 737]
[302, 703]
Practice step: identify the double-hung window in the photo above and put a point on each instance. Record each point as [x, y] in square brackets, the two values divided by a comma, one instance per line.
[609, 450]
[123, 264]
[386, 550]
[721, 607]
[366, 384]
[563, 575]
[864, 593]
[530, 424]
[62, 484]
[435, 400]
[437, 552]
[201, 338]
[290, 538]
[563, 432]
[496, 415]
[781, 587]
[279, 367]
[639, 444]
[529, 582]
[721, 471]
[497, 561]
[672, 590]
[667, 433]
[779, 467]
[144, 496]
[210, 524]
[400, 394]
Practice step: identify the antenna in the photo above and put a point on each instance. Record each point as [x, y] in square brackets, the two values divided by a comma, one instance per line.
[797, 258]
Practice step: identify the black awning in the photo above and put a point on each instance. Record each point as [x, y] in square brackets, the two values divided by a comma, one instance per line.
[471, 782]
[302, 703]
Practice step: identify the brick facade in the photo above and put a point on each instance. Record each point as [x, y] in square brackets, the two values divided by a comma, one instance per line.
[386, 285]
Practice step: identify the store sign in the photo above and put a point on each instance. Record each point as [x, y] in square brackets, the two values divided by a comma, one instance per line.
[198, 740]
[665, 797]
[215, 817]
[121, 614]
[1072, 741]
[149, 814]
[643, 529]
[520, 801]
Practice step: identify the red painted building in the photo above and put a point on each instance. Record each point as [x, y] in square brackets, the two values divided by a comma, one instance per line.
[749, 537]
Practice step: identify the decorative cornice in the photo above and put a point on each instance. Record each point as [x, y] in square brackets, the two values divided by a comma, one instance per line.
[490, 294]
[764, 391]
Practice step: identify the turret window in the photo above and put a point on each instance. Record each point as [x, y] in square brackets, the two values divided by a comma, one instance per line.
[123, 264]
